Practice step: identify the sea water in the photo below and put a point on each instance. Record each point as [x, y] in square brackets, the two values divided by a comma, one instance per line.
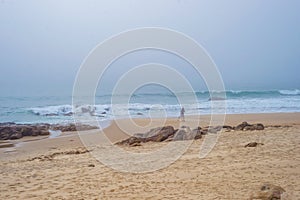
[59, 109]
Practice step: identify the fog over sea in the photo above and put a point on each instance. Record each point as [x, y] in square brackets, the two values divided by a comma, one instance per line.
[59, 109]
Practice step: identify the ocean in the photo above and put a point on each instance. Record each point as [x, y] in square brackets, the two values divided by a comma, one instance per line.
[59, 109]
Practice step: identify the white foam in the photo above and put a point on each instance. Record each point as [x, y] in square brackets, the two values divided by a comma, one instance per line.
[290, 92]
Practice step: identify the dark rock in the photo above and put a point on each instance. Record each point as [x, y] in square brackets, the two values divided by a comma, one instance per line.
[16, 131]
[72, 127]
[259, 126]
[249, 127]
[215, 129]
[154, 135]
[197, 133]
[26, 130]
[91, 165]
[241, 126]
[44, 132]
[15, 136]
[268, 192]
[253, 144]
[187, 134]
[180, 135]
[130, 141]
[161, 134]
[228, 127]
[5, 133]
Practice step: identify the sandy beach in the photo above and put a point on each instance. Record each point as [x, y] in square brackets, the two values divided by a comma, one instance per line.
[62, 168]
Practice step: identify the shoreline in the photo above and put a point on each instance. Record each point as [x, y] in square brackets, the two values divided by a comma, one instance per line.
[285, 118]
[142, 125]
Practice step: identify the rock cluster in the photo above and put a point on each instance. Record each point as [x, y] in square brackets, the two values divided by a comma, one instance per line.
[168, 133]
[12, 131]
[249, 127]
[72, 127]
[154, 135]
[160, 134]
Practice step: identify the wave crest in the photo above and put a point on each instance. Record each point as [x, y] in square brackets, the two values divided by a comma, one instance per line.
[289, 92]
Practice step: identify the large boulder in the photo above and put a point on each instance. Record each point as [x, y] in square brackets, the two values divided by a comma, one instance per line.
[5, 133]
[159, 134]
[249, 127]
[15, 136]
[154, 135]
[241, 126]
[185, 133]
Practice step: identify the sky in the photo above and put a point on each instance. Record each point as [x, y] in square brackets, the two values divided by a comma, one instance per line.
[255, 44]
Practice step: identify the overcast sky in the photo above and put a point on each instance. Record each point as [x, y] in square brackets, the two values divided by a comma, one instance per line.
[255, 43]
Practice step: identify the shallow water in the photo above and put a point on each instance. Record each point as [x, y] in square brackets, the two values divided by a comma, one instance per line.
[59, 109]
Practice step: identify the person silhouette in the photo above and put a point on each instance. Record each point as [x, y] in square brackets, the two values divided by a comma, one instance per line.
[182, 111]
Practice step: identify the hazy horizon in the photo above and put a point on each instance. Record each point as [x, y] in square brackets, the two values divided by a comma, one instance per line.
[255, 44]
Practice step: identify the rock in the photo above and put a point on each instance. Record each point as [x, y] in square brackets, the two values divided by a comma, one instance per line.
[259, 126]
[4, 133]
[253, 144]
[197, 133]
[72, 127]
[91, 165]
[179, 135]
[215, 129]
[161, 134]
[130, 141]
[26, 130]
[15, 136]
[241, 126]
[16, 131]
[154, 135]
[249, 127]
[44, 132]
[185, 133]
[268, 191]
[166, 133]
[227, 127]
